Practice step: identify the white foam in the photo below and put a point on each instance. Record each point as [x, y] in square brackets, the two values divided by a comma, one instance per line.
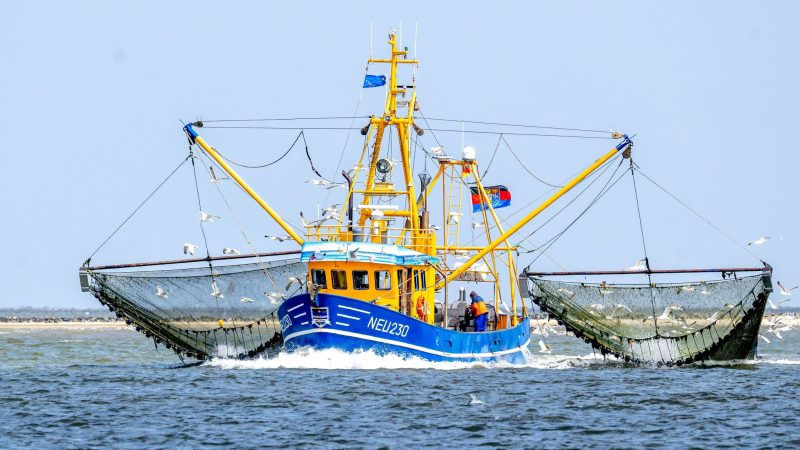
[333, 359]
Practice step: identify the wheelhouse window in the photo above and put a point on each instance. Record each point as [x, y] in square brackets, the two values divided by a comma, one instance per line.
[416, 280]
[423, 280]
[360, 280]
[319, 279]
[383, 281]
[339, 279]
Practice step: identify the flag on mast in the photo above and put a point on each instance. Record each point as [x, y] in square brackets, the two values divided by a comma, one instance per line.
[499, 196]
[374, 80]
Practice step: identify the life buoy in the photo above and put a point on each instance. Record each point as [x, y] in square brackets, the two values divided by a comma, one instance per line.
[422, 308]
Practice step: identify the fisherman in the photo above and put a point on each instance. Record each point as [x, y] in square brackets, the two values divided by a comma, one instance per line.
[464, 323]
[479, 311]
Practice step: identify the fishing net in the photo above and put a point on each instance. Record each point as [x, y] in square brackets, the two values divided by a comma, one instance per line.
[660, 324]
[230, 313]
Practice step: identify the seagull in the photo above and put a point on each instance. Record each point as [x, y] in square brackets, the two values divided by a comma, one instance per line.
[337, 185]
[315, 223]
[247, 300]
[230, 251]
[293, 280]
[687, 288]
[640, 265]
[567, 292]
[351, 254]
[214, 178]
[785, 291]
[474, 400]
[333, 209]
[435, 227]
[436, 151]
[207, 217]
[189, 249]
[215, 292]
[776, 332]
[759, 241]
[667, 314]
[278, 238]
[729, 305]
[604, 290]
[617, 307]
[317, 182]
[276, 295]
[476, 225]
[453, 217]
[543, 348]
[776, 305]
[160, 292]
[596, 306]
[764, 338]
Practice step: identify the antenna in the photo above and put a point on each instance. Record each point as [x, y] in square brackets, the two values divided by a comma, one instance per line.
[370, 38]
[414, 71]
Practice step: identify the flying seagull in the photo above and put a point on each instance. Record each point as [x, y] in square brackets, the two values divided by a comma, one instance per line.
[759, 241]
[761, 336]
[247, 300]
[543, 347]
[453, 217]
[474, 400]
[317, 182]
[567, 292]
[278, 238]
[476, 225]
[640, 265]
[230, 251]
[667, 314]
[351, 254]
[215, 292]
[291, 281]
[161, 292]
[189, 249]
[785, 291]
[207, 217]
[776, 305]
[214, 178]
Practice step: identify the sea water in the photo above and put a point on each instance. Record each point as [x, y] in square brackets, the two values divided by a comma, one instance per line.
[111, 388]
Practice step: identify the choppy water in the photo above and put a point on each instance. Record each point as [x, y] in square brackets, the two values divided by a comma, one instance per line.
[90, 388]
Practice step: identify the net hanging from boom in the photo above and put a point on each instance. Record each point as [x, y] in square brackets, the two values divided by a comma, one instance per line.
[660, 324]
[228, 311]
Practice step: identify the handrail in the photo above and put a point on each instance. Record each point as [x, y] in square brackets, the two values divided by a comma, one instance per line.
[652, 272]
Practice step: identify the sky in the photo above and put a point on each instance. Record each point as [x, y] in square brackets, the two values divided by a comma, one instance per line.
[92, 95]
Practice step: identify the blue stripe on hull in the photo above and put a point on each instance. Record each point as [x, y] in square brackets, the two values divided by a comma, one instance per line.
[351, 325]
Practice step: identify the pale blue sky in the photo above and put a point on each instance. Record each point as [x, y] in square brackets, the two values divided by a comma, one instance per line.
[91, 94]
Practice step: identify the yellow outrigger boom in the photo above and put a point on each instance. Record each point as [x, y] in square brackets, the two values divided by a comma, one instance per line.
[194, 138]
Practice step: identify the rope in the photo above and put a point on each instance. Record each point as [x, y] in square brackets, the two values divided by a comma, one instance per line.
[644, 248]
[444, 130]
[526, 168]
[520, 125]
[308, 155]
[137, 209]
[263, 165]
[485, 171]
[282, 119]
[205, 239]
[698, 215]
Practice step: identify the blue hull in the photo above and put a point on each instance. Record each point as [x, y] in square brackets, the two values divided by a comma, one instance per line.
[351, 325]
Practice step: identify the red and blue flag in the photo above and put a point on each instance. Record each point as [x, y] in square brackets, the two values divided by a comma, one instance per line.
[499, 196]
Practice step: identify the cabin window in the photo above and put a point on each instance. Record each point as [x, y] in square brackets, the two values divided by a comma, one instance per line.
[360, 280]
[319, 279]
[416, 280]
[339, 279]
[423, 280]
[383, 281]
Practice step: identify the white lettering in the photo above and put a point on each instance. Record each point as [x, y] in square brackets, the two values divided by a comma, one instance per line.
[385, 326]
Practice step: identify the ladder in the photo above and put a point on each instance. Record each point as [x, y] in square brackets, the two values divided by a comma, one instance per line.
[453, 212]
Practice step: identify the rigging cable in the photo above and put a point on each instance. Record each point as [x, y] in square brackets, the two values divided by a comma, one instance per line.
[89, 259]
[283, 119]
[267, 164]
[486, 170]
[646, 257]
[698, 215]
[525, 167]
[477, 122]
[602, 193]
[444, 130]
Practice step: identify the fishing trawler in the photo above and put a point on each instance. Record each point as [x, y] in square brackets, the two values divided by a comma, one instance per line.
[375, 279]
[371, 283]
[375, 275]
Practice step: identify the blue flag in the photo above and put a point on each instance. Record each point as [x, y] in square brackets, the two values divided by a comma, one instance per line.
[374, 80]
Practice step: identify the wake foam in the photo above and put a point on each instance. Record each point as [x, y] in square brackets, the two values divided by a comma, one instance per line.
[334, 359]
